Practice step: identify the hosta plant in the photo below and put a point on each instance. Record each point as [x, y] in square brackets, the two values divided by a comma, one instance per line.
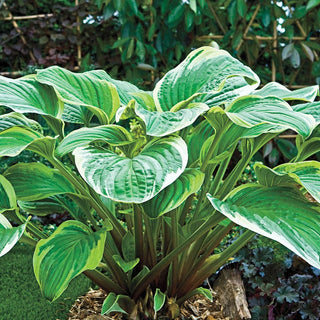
[150, 179]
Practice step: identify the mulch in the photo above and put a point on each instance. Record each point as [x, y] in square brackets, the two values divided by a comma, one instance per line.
[88, 307]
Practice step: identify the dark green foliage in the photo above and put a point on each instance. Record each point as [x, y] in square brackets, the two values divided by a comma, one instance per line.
[279, 284]
[135, 39]
[20, 295]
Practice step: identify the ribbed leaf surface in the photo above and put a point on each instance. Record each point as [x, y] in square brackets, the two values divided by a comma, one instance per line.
[312, 108]
[81, 89]
[70, 250]
[280, 213]
[278, 90]
[34, 181]
[172, 196]
[307, 174]
[112, 134]
[30, 96]
[133, 180]
[9, 235]
[15, 119]
[250, 111]
[205, 70]
[159, 124]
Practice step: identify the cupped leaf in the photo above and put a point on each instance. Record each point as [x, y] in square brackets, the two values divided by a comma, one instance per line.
[159, 124]
[205, 71]
[158, 300]
[15, 119]
[76, 114]
[279, 213]
[133, 180]
[99, 96]
[306, 174]
[111, 134]
[278, 90]
[70, 250]
[173, 195]
[117, 303]
[308, 147]
[30, 96]
[125, 265]
[9, 235]
[35, 181]
[7, 195]
[250, 111]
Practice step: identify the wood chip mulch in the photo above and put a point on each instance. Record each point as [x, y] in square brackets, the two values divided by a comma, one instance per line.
[88, 307]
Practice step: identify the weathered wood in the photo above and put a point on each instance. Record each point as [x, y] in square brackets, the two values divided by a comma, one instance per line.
[231, 294]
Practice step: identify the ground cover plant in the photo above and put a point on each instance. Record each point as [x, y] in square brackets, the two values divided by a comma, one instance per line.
[150, 178]
[20, 295]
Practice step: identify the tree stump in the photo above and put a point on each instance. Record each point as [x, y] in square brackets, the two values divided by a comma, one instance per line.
[231, 293]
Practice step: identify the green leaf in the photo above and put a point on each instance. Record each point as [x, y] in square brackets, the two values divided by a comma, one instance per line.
[15, 119]
[277, 90]
[125, 265]
[9, 235]
[81, 89]
[295, 58]
[15, 139]
[119, 303]
[30, 96]
[241, 7]
[287, 148]
[111, 134]
[193, 6]
[309, 53]
[7, 195]
[175, 194]
[266, 16]
[133, 180]
[124, 89]
[159, 124]
[204, 71]
[203, 291]
[175, 15]
[158, 300]
[251, 111]
[35, 181]
[128, 246]
[312, 4]
[279, 213]
[70, 250]
[306, 174]
[287, 51]
[312, 109]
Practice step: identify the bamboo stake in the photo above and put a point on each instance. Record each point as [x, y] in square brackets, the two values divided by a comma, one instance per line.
[35, 16]
[248, 26]
[275, 50]
[79, 53]
[23, 39]
[216, 16]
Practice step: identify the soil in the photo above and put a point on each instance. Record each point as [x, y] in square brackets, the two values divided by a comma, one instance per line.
[88, 307]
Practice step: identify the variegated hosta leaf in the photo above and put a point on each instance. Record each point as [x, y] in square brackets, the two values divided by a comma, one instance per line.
[76, 114]
[126, 90]
[312, 108]
[159, 124]
[16, 139]
[279, 213]
[278, 90]
[9, 235]
[111, 134]
[307, 174]
[173, 195]
[133, 180]
[7, 195]
[58, 204]
[205, 70]
[35, 181]
[30, 96]
[250, 111]
[99, 96]
[70, 250]
[15, 119]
